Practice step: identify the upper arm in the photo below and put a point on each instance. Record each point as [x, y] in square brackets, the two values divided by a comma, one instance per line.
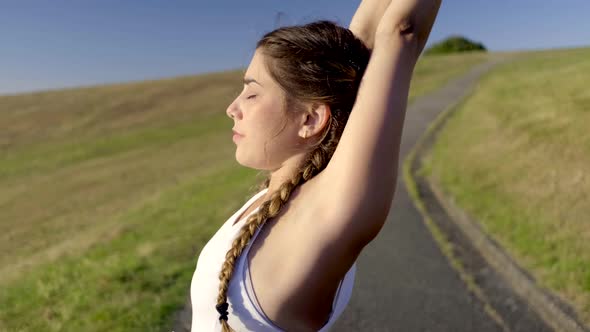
[356, 189]
[362, 172]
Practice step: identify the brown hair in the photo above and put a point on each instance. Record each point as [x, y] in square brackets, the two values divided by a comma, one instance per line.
[319, 62]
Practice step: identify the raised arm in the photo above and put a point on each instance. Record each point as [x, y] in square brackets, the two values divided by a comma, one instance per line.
[363, 170]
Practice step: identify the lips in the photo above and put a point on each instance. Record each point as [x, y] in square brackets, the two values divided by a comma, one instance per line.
[236, 136]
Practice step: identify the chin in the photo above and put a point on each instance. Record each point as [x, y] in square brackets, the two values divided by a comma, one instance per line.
[248, 162]
[242, 161]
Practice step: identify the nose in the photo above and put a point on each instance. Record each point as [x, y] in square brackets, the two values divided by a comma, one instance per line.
[233, 109]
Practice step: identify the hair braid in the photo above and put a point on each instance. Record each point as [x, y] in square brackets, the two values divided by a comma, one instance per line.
[315, 163]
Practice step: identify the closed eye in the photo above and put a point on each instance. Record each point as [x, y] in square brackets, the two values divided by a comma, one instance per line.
[251, 97]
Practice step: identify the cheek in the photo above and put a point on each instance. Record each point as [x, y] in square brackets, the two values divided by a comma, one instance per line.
[267, 119]
[268, 126]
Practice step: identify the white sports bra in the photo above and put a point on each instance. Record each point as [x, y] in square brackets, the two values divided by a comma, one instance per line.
[244, 312]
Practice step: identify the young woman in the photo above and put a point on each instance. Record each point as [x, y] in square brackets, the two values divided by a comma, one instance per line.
[322, 111]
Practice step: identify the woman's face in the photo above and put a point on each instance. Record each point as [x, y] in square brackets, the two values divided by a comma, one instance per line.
[268, 136]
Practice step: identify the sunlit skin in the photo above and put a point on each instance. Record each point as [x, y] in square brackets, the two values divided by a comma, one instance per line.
[273, 139]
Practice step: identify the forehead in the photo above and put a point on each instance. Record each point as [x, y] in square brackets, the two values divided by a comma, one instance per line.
[256, 73]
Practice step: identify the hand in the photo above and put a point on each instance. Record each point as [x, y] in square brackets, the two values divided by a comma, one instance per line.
[366, 18]
[411, 19]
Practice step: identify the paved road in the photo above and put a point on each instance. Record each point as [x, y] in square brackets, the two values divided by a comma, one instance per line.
[403, 281]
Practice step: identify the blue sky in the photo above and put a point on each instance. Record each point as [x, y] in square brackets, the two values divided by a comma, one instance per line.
[55, 44]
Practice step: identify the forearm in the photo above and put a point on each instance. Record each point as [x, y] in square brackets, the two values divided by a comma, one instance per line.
[410, 19]
[366, 19]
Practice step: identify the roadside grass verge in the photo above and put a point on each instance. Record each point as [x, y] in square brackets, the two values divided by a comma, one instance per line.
[516, 156]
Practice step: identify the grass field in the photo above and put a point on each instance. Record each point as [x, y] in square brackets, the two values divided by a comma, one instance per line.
[516, 156]
[109, 193]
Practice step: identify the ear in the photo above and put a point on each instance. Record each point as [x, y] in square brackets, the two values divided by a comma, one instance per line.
[314, 120]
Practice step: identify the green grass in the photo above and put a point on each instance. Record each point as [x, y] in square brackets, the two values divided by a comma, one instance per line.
[515, 155]
[136, 281]
[109, 193]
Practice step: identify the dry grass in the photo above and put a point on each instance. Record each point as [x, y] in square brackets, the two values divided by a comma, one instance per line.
[94, 112]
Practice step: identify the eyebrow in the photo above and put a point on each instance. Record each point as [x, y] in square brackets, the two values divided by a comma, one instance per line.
[248, 80]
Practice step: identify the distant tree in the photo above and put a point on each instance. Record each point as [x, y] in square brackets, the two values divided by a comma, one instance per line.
[455, 44]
